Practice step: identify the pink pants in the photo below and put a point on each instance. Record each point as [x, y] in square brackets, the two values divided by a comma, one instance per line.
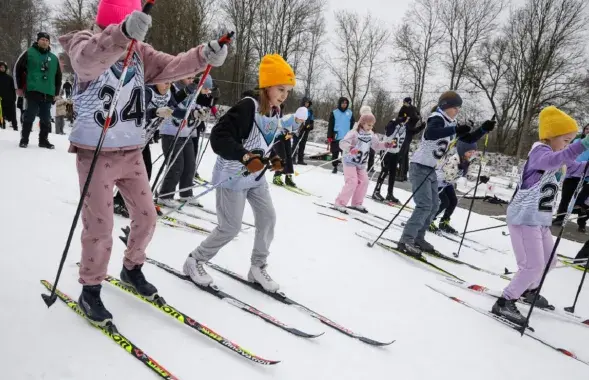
[355, 187]
[126, 170]
[532, 246]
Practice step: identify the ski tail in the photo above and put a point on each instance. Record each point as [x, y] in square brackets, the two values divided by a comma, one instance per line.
[112, 332]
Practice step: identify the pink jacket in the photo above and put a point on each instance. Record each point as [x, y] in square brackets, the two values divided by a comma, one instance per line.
[362, 141]
[92, 54]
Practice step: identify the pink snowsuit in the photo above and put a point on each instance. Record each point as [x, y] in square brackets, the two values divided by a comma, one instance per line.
[120, 162]
[356, 147]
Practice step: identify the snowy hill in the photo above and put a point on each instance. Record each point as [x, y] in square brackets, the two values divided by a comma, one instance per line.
[319, 262]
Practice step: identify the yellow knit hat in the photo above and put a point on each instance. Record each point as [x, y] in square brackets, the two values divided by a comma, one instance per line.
[553, 122]
[274, 70]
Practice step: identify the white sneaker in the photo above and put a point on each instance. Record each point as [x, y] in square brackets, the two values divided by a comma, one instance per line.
[260, 276]
[191, 201]
[168, 202]
[195, 269]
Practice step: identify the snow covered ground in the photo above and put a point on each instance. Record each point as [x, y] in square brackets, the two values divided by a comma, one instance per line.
[318, 261]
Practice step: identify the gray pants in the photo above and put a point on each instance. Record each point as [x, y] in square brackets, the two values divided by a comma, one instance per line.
[182, 170]
[230, 206]
[59, 124]
[426, 201]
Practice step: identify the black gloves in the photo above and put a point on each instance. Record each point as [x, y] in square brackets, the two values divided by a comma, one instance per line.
[462, 129]
[488, 125]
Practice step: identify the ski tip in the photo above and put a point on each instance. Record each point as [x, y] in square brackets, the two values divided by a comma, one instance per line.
[375, 342]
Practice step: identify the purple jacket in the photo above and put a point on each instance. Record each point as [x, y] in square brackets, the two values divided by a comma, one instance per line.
[543, 158]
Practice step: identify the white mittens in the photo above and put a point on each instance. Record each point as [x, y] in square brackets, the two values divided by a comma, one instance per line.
[215, 54]
[136, 25]
[165, 112]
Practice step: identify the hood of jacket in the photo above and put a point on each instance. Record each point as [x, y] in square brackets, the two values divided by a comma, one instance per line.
[340, 101]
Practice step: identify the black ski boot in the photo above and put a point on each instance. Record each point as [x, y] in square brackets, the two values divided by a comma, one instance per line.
[23, 144]
[135, 279]
[409, 249]
[376, 196]
[424, 245]
[391, 198]
[92, 306]
[288, 181]
[46, 144]
[446, 227]
[506, 308]
[334, 171]
[121, 209]
[542, 303]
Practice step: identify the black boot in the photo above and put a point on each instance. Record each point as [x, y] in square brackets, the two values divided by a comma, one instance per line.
[391, 198]
[136, 280]
[334, 171]
[376, 195]
[121, 209]
[46, 144]
[288, 181]
[92, 306]
[507, 309]
[542, 303]
[23, 144]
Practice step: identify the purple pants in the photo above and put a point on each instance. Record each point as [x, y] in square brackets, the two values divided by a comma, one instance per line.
[532, 246]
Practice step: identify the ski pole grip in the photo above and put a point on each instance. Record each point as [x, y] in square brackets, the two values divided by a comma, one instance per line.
[225, 39]
[147, 7]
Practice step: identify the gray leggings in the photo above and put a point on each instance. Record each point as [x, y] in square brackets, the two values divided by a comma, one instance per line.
[230, 206]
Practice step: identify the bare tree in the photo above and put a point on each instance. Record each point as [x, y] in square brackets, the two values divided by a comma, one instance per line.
[467, 23]
[545, 40]
[314, 65]
[416, 41]
[359, 45]
[492, 74]
[241, 15]
[383, 107]
[281, 23]
[74, 15]
[180, 25]
[20, 21]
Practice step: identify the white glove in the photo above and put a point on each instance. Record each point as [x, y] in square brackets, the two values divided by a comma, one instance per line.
[165, 112]
[136, 25]
[201, 114]
[215, 54]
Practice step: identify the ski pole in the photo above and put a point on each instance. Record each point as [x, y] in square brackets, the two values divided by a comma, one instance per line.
[230, 178]
[50, 299]
[553, 253]
[222, 41]
[476, 184]
[202, 154]
[442, 159]
[485, 229]
[197, 185]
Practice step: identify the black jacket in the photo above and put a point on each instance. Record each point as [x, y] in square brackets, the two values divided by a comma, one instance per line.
[7, 91]
[310, 122]
[232, 129]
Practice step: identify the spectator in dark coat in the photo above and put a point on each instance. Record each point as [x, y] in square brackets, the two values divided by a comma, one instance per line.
[8, 95]
[300, 139]
[407, 111]
[38, 78]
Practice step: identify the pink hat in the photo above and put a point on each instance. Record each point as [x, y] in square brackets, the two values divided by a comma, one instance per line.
[367, 118]
[114, 11]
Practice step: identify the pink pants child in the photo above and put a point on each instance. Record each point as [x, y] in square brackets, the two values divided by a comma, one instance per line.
[355, 186]
[532, 246]
[126, 170]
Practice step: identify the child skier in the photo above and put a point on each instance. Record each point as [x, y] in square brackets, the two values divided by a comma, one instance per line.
[205, 103]
[157, 99]
[356, 146]
[241, 138]
[456, 167]
[96, 57]
[439, 132]
[182, 170]
[395, 131]
[529, 214]
[284, 148]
